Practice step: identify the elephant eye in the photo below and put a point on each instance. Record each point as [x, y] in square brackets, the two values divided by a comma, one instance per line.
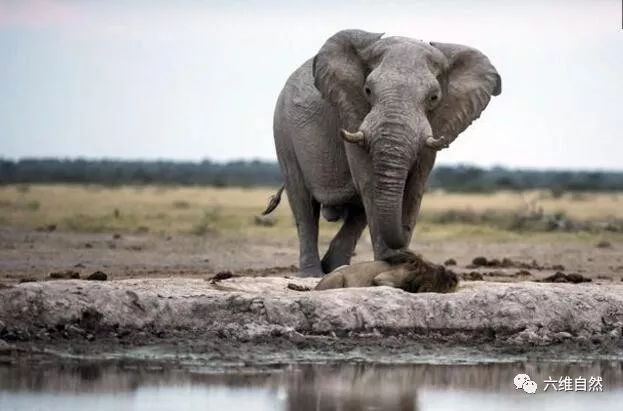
[368, 91]
[433, 99]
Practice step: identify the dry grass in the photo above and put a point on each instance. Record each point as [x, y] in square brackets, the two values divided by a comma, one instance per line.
[200, 210]
[581, 206]
[153, 208]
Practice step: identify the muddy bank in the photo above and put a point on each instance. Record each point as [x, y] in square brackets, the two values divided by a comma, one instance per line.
[221, 318]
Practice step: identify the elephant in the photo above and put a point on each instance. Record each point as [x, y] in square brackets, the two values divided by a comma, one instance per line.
[356, 132]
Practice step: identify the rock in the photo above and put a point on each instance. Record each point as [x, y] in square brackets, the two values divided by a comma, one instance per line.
[506, 314]
[495, 273]
[47, 228]
[577, 278]
[295, 337]
[560, 277]
[220, 276]
[479, 261]
[604, 244]
[27, 280]
[98, 276]
[522, 273]
[563, 335]
[74, 331]
[472, 276]
[449, 262]
[42, 334]
[508, 263]
[615, 333]
[297, 287]
[90, 319]
[64, 275]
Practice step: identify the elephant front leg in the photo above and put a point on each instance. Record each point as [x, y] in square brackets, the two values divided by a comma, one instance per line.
[343, 244]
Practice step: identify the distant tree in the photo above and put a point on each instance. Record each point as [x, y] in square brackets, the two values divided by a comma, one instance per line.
[266, 173]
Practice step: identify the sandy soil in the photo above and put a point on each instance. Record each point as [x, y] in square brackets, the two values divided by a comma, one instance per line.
[33, 255]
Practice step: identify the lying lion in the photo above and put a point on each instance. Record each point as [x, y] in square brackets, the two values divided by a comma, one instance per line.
[407, 271]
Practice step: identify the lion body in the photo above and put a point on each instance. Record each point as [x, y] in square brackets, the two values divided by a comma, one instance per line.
[415, 275]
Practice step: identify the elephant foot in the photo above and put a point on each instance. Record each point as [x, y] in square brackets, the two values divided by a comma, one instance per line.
[311, 272]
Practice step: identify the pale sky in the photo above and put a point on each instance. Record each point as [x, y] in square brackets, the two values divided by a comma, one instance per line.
[188, 80]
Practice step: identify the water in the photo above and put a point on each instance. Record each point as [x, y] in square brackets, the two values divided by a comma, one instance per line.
[340, 386]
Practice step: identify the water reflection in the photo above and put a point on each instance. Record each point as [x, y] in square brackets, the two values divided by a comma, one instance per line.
[300, 387]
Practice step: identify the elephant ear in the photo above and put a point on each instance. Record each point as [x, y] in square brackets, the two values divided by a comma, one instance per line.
[340, 72]
[469, 82]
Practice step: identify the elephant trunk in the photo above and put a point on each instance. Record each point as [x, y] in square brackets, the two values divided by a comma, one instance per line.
[391, 166]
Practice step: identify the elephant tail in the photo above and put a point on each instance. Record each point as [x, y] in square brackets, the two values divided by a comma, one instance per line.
[274, 201]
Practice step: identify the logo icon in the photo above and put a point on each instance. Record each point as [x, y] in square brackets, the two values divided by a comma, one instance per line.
[524, 382]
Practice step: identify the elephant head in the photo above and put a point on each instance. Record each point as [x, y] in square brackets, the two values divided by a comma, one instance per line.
[400, 100]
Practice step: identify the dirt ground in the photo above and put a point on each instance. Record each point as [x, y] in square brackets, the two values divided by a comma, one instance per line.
[187, 235]
[27, 255]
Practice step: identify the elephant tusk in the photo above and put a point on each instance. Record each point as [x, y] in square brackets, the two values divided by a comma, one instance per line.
[437, 143]
[354, 138]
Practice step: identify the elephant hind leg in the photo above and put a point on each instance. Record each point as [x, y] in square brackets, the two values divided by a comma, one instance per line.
[343, 244]
[306, 212]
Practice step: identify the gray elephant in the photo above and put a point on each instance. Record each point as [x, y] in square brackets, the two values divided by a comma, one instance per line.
[357, 129]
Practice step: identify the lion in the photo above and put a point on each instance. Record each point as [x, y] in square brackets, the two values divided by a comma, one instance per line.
[407, 271]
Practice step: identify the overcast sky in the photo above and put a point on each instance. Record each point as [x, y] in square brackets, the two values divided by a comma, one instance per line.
[190, 80]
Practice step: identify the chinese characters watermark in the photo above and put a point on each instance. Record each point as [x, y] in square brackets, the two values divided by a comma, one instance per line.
[566, 383]
[578, 384]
